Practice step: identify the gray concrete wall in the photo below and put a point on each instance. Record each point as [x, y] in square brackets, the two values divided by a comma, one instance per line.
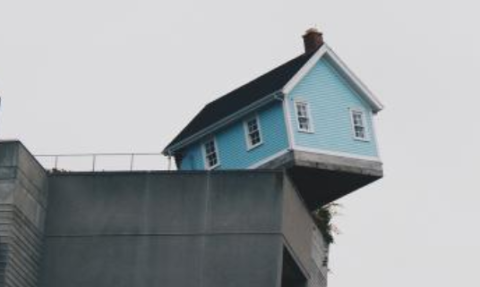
[300, 232]
[164, 229]
[170, 229]
[23, 202]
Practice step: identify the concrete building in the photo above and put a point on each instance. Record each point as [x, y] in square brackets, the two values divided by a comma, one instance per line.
[187, 228]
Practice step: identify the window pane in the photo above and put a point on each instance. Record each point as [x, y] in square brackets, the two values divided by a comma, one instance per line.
[359, 132]
[211, 153]
[357, 119]
[359, 124]
[303, 117]
[253, 130]
[304, 123]
[254, 138]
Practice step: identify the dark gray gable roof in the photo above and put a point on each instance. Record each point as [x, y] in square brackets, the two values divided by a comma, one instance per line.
[247, 94]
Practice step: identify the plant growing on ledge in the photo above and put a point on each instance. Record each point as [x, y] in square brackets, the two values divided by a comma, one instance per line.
[322, 217]
[55, 170]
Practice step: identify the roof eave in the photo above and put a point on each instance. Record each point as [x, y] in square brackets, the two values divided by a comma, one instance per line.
[171, 149]
[361, 88]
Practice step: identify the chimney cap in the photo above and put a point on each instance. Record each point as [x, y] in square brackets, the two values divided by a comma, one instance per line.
[313, 30]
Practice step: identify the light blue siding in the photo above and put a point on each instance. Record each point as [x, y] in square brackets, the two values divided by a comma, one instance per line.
[330, 99]
[193, 158]
[232, 144]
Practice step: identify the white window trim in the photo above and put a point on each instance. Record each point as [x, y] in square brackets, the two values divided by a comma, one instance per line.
[311, 129]
[204, 152]
[247, 136]
[365, 123]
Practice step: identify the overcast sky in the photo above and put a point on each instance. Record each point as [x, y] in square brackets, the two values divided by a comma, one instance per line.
[126, 76]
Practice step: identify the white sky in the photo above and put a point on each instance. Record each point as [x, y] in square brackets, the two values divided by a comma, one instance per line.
[126, 76]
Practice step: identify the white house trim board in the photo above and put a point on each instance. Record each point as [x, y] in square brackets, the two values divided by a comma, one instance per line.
[304, 70]
[326, 51]
[268, 159]
[288, 121]
[374, 135]
[355, 81]
[335, 153]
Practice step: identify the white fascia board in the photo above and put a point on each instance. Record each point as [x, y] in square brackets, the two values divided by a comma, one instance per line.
[288, 122]
[225, 121]
[304, 70]
[326, 51]
[354, 80]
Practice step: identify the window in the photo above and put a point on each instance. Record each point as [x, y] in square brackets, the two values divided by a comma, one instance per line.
[359, 125]
[211, 154]
[252, 132]
[303, 117]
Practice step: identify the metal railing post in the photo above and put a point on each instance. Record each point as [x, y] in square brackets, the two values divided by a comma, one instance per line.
[93, 156]
[94, 160]
[131, 161]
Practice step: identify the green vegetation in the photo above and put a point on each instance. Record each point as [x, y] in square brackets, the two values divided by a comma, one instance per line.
[323, 219]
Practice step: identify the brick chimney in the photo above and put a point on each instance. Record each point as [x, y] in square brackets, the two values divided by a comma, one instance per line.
[313, 39]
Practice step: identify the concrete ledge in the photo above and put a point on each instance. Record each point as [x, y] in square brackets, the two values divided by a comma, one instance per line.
[297, 158]
[338, 163]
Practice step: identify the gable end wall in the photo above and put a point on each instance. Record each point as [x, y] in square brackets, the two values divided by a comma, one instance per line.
[330, 97]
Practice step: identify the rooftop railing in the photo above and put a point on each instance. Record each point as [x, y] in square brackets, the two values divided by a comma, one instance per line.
[105, 161]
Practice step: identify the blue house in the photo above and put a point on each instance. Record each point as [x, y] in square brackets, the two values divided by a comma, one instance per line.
[311, 116]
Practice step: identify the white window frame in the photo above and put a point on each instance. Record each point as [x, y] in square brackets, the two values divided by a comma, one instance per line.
[204, 151]
[362, 113]
[310, 129]
[251, 146]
